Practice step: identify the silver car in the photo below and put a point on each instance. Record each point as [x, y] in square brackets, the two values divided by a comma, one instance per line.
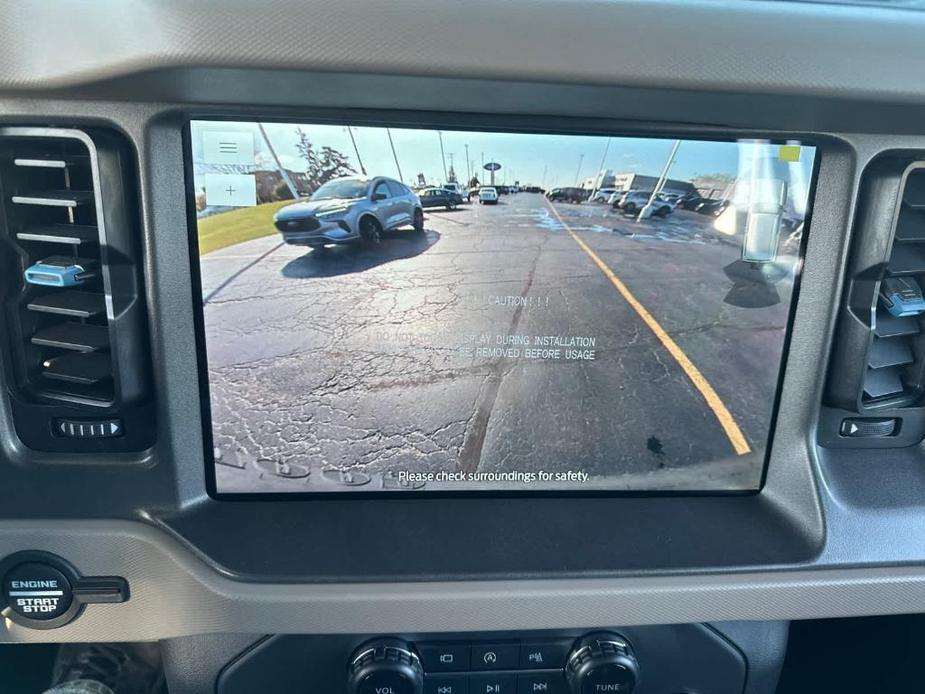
[350, 210]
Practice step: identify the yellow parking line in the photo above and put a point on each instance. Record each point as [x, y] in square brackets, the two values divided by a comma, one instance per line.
[725, 418]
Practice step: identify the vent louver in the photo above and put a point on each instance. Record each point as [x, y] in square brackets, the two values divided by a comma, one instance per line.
[876, 379]
[894, 360]
[72, 301]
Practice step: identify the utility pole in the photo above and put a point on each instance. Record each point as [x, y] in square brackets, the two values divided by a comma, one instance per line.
[543, 182]
[356, 149]
[468, 167]
[394, 155]
[451, 168]
[578, 173]
[647, 209]
[442, 155]
[279, 167]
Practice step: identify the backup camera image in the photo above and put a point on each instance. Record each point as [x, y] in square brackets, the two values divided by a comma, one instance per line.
[396, 309]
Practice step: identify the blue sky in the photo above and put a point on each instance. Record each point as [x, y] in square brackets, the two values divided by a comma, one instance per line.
[532, 159]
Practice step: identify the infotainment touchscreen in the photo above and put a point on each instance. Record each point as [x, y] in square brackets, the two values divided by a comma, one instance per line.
[396, 309]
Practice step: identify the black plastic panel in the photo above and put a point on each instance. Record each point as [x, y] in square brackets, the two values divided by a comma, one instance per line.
[418, 538]
[74, 353]
[682, 658]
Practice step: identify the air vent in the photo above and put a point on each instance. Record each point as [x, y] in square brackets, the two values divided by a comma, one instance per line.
[877, 370]
[894, 359]
[72, 304]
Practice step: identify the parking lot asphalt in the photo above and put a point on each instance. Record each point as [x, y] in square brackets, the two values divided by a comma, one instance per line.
[523, 336]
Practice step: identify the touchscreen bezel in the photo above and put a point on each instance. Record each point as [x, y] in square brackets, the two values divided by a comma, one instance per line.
[496, 124]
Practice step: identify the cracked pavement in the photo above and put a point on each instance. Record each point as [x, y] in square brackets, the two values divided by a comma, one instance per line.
[372, 361]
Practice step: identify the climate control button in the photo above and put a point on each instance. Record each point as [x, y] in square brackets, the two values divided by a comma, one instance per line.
[444, 657]
[495, 656]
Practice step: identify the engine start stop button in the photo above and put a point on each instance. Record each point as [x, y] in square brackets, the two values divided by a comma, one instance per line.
[37, 591]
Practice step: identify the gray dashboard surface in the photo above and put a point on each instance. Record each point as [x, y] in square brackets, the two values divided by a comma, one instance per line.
[175, 594]
[764, 47]
[752, 65]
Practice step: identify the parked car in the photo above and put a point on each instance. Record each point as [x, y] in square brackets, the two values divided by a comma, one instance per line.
[635, 200]
[602, 194]
[440, 197]
[690, 201]
[488, 196]
[617, 197]
[350, 210]
[712, 207]
[575, 195]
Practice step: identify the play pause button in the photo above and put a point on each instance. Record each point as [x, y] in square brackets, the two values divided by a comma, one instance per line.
[492, 684]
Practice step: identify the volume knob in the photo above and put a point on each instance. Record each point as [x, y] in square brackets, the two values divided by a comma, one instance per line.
[385, 666]
[602, 663]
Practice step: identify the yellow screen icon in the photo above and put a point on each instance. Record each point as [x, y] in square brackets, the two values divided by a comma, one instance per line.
[789, 153]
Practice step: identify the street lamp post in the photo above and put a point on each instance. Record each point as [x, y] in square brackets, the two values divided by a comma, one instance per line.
[394, 155]
[279, 167]
[578, 173]
[600, 184]
[357, 150]
[646, 211]
[442, 156]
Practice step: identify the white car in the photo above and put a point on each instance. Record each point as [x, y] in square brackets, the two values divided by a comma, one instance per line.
[488, 196]
[602, 194]
[635, 200]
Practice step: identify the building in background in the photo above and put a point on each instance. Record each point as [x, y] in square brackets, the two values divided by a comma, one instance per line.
[716, 186]
[642, 182]
[604, 179]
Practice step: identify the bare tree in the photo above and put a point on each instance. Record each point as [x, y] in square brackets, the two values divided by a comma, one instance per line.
[321, 165]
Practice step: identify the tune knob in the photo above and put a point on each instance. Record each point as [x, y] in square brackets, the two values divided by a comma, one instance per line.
[385, 666]
[602, 663]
